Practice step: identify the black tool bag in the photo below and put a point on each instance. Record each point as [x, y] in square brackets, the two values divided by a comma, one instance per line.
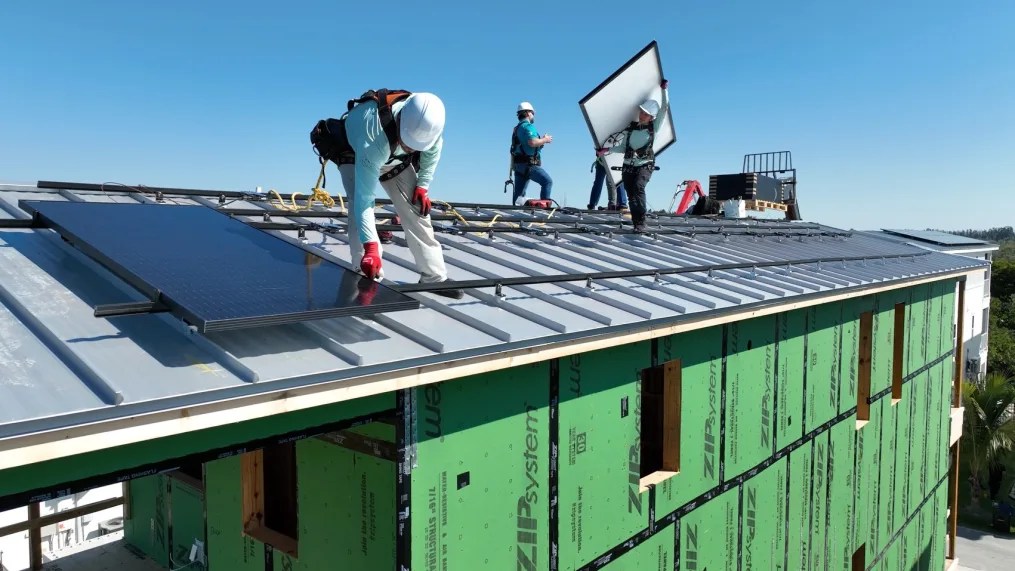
[706, 206]
[330, 142]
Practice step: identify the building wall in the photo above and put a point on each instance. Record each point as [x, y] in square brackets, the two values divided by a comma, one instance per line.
[346, 503]
[165, 517]
[538, 467]
[976, 320]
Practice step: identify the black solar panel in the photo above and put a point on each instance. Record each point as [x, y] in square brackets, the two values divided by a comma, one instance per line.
[936, 237]
[214, 271]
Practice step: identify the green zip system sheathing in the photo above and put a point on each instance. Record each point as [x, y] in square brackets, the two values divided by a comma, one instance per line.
[37, 482]
[774, 472]
[164, 510]
[145, 529]
[655, 554]
[708, 535]
[479, 488]
[701, 359]
[346, 505]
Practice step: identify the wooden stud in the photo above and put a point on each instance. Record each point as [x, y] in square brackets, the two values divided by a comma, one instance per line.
[899, 352]
[672, 377]
[252, 475]
[863, 392]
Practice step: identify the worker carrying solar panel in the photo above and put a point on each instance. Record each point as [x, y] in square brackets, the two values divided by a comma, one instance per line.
[394, 137]
[639, 158]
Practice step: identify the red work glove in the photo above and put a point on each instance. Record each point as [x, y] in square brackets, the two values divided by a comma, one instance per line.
[371, 262]
[424, 201]
[664, 84]
[601, 152]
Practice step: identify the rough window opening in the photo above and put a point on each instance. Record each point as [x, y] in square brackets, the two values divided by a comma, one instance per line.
[191, 473]
[270, 510]
[660, 422]
[899, 351]
[863, 391]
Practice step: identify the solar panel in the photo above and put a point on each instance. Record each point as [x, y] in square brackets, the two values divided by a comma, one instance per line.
[937, 237]
[213, 271]
[611, 106]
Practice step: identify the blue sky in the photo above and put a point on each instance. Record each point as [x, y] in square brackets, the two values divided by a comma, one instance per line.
[898, 114]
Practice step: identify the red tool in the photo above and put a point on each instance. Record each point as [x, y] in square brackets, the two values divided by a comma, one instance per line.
[538, 203]
[692, 191]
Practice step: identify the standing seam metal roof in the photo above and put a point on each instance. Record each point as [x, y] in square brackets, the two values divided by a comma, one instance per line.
[60, 366]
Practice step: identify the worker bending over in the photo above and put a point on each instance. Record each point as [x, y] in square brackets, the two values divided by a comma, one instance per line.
[395, 137]
[526, 155]
[639, 157]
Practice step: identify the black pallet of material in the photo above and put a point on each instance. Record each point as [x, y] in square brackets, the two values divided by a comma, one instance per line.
[748, 186]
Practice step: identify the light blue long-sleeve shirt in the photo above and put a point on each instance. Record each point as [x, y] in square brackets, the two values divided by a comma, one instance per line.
[366, 137]
[638, 138]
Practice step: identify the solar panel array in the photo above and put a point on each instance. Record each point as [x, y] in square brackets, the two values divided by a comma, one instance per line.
[937, 237]
[212, 270]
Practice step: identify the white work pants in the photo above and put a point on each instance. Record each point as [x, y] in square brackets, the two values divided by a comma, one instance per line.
[418, 230]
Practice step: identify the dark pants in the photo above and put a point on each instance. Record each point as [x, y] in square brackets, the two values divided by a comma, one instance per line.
[524, 173]
[635, 181]
[617, 196]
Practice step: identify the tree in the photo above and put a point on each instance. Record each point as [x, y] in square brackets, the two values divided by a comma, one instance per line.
[988, 428]
[1002, 279]
[1001, 341]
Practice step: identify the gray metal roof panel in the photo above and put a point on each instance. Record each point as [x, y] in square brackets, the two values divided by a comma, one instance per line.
[154, 359]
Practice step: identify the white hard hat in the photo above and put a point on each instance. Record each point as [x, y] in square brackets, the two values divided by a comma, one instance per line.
[650, 106]
[422, 121]
[525, 106]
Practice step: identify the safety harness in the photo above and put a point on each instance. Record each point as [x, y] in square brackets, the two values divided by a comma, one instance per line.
[518, 154]
[645, 152]
[331, 142]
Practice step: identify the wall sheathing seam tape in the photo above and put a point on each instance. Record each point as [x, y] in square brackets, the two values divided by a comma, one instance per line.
[403, 487]
[722, 406]
[740, 527]
[775, 387]
[269, 558]
[803, 411]
[554, 474]
[905, 524]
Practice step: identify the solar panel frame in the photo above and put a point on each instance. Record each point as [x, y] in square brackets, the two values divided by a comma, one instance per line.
[390, 299]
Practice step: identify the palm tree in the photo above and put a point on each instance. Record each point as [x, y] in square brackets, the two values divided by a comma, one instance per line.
[988, 430]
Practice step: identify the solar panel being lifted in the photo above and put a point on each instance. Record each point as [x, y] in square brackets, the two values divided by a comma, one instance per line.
[213, 271]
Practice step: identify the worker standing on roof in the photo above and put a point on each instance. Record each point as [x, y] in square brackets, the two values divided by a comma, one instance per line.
[526, 155]
[639, 157]
[388, 135]
[616, 195]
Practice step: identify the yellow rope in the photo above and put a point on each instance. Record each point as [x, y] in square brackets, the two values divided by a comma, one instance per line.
[548, 217]
[319, 195]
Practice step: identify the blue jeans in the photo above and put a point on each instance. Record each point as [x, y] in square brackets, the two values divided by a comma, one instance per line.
[597, 189]
[524, 173]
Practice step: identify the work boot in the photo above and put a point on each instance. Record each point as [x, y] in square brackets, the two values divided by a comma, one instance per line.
[452, 293]
[624, 209]
[639, 229]
[611, 206]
